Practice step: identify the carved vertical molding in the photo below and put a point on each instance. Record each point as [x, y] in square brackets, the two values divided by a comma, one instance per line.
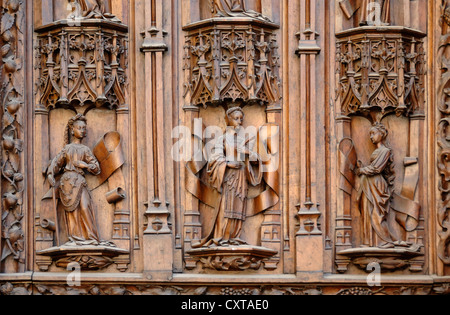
[443, 138]
[271, 229]
[158, 254]
[310, 244]
[12, 96]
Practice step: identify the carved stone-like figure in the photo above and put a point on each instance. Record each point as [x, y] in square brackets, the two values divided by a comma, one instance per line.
[235, 8]
[92, 9]
[375, 192]
[232, 167]
[74, 195]
[377, 11]
[373, 12]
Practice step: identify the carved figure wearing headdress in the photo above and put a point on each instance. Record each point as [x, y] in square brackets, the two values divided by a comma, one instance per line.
[73, 161]
[375, 193]
[231, 169]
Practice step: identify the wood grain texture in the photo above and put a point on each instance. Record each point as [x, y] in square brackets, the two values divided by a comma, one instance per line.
[354, 95]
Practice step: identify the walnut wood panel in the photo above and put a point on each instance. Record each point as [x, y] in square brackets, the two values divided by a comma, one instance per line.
[317, 133]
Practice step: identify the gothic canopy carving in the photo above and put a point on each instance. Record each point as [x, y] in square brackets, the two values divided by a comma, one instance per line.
[232, 60]
[381, 70]
[82, 63]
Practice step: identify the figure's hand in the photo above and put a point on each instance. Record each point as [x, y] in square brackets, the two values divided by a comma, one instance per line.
[51, 180]
[235, 165]
[81, 164]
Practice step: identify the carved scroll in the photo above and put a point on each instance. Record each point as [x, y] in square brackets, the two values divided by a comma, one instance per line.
[347, 165]
[109, 153]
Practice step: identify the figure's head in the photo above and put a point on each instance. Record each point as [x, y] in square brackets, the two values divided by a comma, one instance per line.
[235, 117]
[378, 133]
[76, 128]
[79, 129]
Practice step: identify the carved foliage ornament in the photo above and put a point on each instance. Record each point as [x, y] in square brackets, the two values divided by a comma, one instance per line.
[443, 136]
[255, 290]
[12, 98]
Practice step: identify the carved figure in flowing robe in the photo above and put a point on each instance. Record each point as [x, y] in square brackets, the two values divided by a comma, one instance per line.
[375, 194]
[232, 167]
[235, 8]
[74, 195]
[373, 12]
[95, 9]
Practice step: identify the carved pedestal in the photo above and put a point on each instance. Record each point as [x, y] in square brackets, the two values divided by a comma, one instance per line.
[233, 258]
[387, 259]
[88, 257]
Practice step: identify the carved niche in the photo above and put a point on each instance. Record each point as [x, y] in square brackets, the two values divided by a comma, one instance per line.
[231, 67]
[81, 113]
[381, 77]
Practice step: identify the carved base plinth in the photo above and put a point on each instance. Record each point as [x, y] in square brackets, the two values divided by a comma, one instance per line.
[389, 259]
[233, 258]
[88, 257]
